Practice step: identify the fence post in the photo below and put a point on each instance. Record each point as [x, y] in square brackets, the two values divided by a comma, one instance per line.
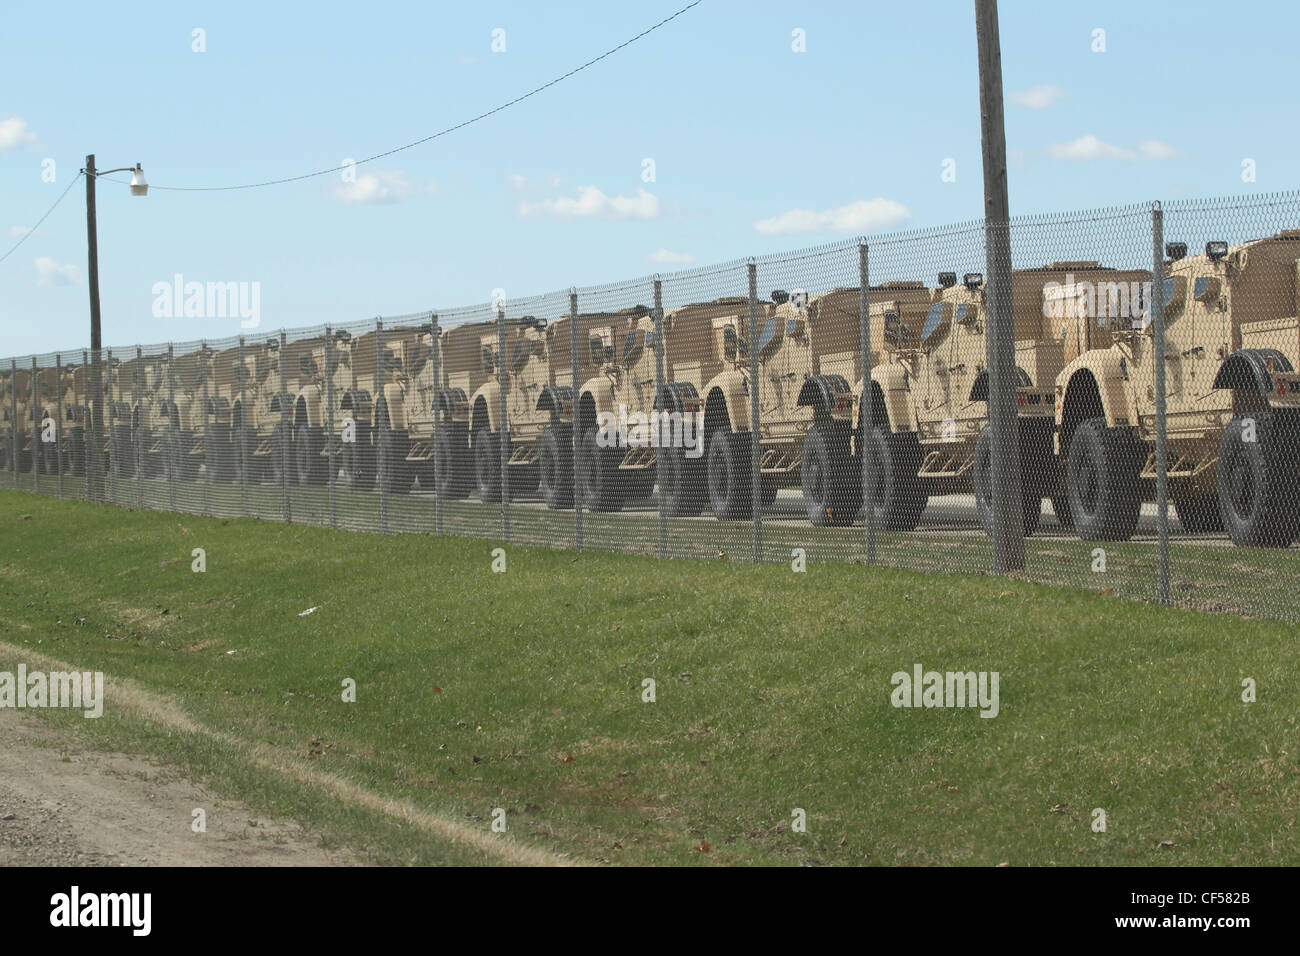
[329, 424]
[658, 410]
[15, 440]
[137, 435]
[435, 356]
[1158, 347]
[36, 431]
[59, 431]
[866, 405]
[283, 450]
[86, 444]
[377, 429]
[755, 443]
[242, 431]
[577, 438]
[503, 439]
[207, 428]
[172, 438]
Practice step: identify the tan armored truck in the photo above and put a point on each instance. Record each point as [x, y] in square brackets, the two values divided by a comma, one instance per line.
[463, 368]
[820, 361]
[311, 435]
[526, 366]
[1232, 341]
[18, 417]
[929, 433]
[255, 419]
[634, 434]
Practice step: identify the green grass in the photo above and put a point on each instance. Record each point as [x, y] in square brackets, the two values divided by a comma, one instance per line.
[772, 693]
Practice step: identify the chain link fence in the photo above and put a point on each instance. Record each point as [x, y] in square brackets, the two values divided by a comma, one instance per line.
[826, 404]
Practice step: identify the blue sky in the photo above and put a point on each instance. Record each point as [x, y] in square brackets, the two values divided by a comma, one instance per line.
[756, 148]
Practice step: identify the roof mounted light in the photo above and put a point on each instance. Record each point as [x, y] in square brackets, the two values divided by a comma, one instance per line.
[1216, 249]
[947, 280]
[973, 280]
[1175, 251]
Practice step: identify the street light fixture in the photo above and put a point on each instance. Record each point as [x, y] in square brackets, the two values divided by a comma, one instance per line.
[94, 480]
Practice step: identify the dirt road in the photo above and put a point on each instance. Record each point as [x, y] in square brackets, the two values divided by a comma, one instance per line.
[63, 804]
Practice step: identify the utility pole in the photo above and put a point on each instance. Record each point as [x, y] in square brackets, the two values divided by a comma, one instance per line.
[1008, 522]
[93, 460]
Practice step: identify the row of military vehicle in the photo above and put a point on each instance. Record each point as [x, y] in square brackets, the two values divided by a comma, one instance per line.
[676, 413]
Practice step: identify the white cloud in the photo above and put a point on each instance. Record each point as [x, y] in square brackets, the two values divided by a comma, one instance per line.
[668, 257]
[591, 203]
[518, 182]
[1089, 147]
[1154, 149]
[379, 187]
[52, 273]
[14, 134]
[1037, 97]
[865, 215]
[17, 231]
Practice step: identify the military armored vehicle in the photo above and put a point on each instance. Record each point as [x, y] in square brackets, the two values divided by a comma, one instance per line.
[311, 435]
[1232, 341]
[16, 415]
[463, 369]
[634, 434]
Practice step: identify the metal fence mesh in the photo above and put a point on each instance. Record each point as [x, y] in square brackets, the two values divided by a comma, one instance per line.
[739, 411]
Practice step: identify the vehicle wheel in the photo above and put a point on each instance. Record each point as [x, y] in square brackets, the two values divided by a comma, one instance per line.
[141, 440]
[1061, 505]
[279, 463]
[309, 466]
[1101, 480]
[600, 487]
[49, 457]
[899, 497]
[357, 460]
[1198, 514]
[455, 475]
[217, 453]
[392, 445]
[729, 479]
[1031, 495]
[246, 465]
[487, 464]
[1258, 486]
[681, 481]
[830, 492]
[556, 467]
[77, 452]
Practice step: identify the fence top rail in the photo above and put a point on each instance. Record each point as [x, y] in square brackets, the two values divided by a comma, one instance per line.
[554, 303]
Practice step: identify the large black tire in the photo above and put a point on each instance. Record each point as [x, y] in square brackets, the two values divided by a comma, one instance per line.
[356, 460]
[247, 466]
[310, 466]
[1198, 514]
[899, 497]
[601, 484]
[730, 483]
[1031, 480]
[451, 447]
[486, 449]
[832, 482]
[681, 482]
[1101, 480]
[1259, 491]
[555, 467]
[177, 462]
[279, 463]
[146, 465]
[1061, 505]
[76, 465]
[392, 445]
[120, 455]
[218, 452]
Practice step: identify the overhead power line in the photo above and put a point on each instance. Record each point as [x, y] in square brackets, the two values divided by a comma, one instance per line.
[42, 219]
[443, 132]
